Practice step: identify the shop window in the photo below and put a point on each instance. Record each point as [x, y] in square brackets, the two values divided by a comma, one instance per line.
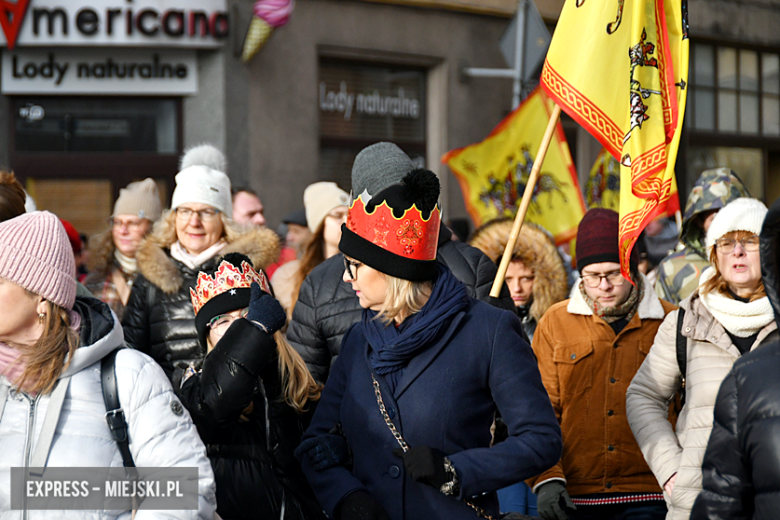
[360, 104]
[734, 91]
[80, 125]
[747, 162]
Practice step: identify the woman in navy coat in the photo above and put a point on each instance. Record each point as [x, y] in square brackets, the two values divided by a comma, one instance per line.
[420, 378]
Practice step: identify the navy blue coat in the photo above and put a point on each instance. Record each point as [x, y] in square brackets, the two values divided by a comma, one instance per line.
[446, 399]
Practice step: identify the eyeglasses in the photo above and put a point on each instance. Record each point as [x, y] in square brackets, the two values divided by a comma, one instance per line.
[204, 215]
[348, 265]
[220, 324]
[132, 224]
[727, 245]
[594, 280]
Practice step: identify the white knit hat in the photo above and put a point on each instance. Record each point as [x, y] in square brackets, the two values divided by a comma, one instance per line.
[203, 185]
[743, 214]
[321, 198]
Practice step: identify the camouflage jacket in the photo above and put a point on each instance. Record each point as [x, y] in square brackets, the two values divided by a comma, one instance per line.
[678, 275]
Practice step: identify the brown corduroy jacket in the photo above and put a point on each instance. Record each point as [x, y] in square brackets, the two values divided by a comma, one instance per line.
[586, 369]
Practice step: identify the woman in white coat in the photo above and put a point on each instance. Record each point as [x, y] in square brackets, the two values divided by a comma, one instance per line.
[727, 316]
[52, 411]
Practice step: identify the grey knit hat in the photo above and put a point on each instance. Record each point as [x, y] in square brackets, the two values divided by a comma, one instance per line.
[379, 166]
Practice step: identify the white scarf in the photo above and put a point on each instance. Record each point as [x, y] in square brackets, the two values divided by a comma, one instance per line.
[194, 261]
[739, 318]
[127, 264]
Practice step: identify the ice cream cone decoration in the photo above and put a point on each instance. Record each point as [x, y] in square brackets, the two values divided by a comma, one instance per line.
[269, 14]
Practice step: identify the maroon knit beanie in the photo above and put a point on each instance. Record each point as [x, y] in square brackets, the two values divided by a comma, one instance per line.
[597, 239]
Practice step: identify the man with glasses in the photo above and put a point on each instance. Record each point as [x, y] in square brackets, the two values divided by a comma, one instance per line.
[589, 347]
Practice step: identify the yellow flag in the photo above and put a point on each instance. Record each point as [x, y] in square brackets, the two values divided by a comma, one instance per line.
[493, 174]
[603, 188]
[620, 69]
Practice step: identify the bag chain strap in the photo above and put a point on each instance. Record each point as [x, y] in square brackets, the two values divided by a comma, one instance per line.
[404, 446]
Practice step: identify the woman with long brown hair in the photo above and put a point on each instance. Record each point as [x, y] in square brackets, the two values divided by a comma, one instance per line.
[112, 264]
[326, 209]
[252, 392]
[727, 316]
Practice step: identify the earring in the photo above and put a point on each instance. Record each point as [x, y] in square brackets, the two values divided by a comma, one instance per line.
[41, 316]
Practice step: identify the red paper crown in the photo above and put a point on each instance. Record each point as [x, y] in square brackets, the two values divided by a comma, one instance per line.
[410, 236]
[227, 277]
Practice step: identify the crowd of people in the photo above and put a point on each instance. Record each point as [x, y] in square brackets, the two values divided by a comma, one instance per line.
[354, 366]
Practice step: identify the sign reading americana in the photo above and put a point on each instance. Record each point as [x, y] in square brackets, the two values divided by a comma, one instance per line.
[175, 23]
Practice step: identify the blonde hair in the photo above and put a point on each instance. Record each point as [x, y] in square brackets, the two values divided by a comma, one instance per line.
[403, 298]
[717, 283]
[50, 355]
[164, 232]
[298, 386]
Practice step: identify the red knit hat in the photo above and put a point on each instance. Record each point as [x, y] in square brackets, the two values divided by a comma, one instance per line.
[597, 239]
[73, 236]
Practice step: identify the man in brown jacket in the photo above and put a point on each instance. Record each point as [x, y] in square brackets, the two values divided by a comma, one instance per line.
[589, 347]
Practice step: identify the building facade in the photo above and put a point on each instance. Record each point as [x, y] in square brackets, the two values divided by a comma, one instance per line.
[97, 93]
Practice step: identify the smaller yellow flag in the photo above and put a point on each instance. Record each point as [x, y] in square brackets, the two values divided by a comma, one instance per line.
[493, 173]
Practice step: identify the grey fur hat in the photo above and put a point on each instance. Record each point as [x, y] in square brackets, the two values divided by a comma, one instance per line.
[379, 166]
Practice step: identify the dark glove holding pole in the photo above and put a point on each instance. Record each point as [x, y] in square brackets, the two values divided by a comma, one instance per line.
[549, 499]
[359, 505]
[324, 451]
[424, 464]
[265, 311]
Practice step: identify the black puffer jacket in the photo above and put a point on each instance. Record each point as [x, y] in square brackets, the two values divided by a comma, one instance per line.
[741, 474]
[251, 452]
[159, 320]
[327, 306]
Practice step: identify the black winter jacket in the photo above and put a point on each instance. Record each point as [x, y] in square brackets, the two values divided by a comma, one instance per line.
[159, 320]
[327, 306]
[741, 473]
[251, 452]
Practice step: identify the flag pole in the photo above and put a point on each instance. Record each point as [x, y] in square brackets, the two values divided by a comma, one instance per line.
[529, 190]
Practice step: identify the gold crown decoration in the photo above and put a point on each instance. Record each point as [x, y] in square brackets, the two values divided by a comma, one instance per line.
[228, 277]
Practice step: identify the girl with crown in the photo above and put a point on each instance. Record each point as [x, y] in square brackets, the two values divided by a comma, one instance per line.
[253, 396]
[419, 379]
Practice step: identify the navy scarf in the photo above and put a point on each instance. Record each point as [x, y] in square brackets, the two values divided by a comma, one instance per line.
[393, 347]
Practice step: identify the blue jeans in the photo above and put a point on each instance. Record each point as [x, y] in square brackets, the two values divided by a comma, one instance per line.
[655, 510]
[517, 498]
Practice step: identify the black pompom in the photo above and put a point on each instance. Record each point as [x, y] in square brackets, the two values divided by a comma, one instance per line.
[235, 259]
[422, 186]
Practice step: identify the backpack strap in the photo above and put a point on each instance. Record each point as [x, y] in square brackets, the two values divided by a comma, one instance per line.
[49, 426]
[682, 354]
[115, 416]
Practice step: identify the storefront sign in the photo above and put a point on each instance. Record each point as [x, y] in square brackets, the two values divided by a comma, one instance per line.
[371, 102]
[158, 23]
[100, 71]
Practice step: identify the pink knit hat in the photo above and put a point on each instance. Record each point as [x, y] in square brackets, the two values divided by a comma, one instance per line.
[35, 254]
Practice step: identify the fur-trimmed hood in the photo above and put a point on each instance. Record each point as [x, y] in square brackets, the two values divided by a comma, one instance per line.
[156, 264]
[536, 249]
[650, 307]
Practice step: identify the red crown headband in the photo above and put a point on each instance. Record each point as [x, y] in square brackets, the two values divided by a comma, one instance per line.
[410, 236]
[228, 277]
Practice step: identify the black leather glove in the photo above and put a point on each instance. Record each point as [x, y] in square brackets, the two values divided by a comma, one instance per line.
[359, 505]
[324, 451]
[551, 499]
[424, 464]
[265, 310]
